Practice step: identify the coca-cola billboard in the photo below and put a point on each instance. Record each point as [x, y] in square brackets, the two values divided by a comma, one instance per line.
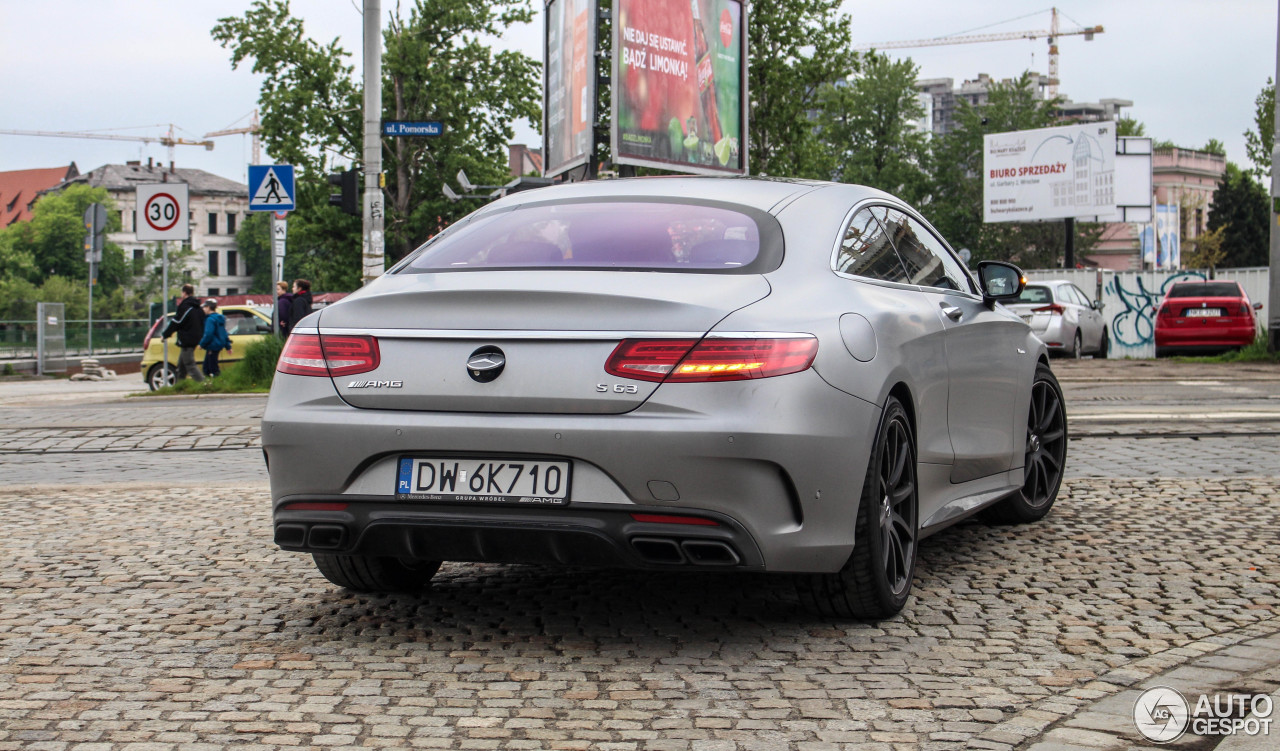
[679, 74]
[569, 85]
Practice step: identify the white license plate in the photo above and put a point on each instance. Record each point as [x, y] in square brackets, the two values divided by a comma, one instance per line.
[481, 480]
[1203, 312]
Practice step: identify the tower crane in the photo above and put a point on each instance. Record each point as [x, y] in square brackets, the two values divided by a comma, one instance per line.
[168, 140]
[1052, 34]
[253, 128]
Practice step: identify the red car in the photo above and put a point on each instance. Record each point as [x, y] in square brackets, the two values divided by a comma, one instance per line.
[1199, 317]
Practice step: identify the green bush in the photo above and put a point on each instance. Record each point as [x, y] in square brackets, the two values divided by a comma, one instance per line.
[258, 367]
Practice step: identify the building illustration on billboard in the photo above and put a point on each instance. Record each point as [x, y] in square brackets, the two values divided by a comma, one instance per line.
[1050, 173]
[678, 85]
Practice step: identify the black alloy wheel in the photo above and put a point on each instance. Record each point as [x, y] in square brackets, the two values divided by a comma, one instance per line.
[1046, 451]
[1045, 457]
[876, 580]
[896, 487]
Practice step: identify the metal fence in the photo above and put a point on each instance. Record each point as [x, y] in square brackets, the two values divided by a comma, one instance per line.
[18, 339]
[1130, 298]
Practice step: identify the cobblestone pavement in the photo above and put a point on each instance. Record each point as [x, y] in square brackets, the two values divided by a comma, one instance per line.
[135, 618]
[143, 606]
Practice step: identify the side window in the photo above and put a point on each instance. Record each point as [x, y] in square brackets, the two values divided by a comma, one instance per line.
[1081, 297]
[866, 249]
[240, 322]
[928, 261]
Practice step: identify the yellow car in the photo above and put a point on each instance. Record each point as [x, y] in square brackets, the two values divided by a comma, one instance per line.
[245, 323]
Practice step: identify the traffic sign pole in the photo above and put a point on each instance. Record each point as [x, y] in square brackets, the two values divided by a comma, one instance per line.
[279, 232]
[374, 245]
[164, 312]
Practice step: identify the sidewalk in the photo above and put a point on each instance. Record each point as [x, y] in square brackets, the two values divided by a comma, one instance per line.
[1161, 370]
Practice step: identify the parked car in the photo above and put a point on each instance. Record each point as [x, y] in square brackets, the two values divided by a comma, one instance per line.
[245, 323]
[1205, 317]
[1064, 318]
[675, 373]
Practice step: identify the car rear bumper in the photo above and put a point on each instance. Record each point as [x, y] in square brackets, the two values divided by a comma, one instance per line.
[778, 463]
[1195, 334]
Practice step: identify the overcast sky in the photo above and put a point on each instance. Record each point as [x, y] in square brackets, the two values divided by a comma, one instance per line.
[1191, 67]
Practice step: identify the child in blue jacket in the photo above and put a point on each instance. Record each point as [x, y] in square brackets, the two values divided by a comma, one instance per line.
[215, 338]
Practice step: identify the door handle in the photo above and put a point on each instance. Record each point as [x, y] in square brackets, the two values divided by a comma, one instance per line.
[952, 312]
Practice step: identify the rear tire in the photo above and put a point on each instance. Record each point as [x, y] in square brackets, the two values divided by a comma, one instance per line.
[364, 573]
[1105, 348]
[876, 580]
[1046, 455]
[1077, 349]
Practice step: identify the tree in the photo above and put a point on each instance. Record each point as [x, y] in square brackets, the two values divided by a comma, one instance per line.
[1259, 143]
[1206, 251]
[956, 161]
[436, 66]
[1214, 146]
[1242, 210]
[51, 243]
[1127, 127]
[868, 128]
[254, 241]
[795, 47]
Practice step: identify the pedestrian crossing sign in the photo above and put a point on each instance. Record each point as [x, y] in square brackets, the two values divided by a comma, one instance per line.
[271, 187]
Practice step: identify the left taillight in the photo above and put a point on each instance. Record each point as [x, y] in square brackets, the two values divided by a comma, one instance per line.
[1052, 308]
[711, 359]
[328, 355]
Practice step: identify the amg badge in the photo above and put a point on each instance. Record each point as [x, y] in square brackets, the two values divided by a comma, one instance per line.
[375, 385]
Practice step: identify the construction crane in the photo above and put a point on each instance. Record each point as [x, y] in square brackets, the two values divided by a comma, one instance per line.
[168, 140]
[1051, 34]
[253, 128]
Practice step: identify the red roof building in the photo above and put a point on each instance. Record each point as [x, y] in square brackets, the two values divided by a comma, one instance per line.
[19, 190]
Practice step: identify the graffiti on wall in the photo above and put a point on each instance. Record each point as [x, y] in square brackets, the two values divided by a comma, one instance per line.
[1132, 307]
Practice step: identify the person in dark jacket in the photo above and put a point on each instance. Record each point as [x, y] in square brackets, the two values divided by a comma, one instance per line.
[284, 302]
[300, 306]
[188, 323]
[215, 337]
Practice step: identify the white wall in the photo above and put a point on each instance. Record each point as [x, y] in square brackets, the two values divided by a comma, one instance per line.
[1130, 299]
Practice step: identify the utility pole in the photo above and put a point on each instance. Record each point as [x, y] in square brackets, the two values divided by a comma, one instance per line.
[1273, 296]
[374, 244]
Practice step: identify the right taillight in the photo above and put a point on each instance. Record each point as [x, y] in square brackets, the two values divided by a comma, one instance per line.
[711, 359]
[328, 356]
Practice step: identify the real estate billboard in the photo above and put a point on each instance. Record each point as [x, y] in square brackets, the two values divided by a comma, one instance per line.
[569, 86]
[679, 85]
[1050, 173]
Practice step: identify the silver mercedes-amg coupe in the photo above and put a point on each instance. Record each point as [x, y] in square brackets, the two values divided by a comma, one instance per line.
[666, 373]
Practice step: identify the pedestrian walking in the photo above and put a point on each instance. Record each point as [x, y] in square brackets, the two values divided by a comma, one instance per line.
[215, 337]
[284, 303]
[188, 323]
[300, 306]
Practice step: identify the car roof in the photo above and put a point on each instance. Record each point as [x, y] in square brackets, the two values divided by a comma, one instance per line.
[763, 193]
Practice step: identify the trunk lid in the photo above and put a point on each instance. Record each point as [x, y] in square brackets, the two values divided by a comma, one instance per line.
[552, 331]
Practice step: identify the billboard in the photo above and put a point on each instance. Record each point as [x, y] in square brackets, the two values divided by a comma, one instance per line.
[569, 85]
[679, 85]
[1050, 173]
[1161, 244]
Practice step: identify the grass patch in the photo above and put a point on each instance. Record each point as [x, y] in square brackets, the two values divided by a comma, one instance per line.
[1256, 352]
[251, 375]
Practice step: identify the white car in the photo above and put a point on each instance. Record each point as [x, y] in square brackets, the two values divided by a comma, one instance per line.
[1065, 319]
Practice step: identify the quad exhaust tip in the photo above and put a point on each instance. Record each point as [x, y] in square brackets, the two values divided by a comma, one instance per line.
[675, 552]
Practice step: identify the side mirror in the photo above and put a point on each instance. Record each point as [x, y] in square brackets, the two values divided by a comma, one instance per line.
[1000, 281]
[264, 328]
[1257, 306]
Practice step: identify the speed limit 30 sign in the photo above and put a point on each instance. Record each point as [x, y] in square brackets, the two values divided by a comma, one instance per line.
[162, 212]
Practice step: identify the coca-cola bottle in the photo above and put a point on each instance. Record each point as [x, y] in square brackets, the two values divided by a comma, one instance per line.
[706, 78]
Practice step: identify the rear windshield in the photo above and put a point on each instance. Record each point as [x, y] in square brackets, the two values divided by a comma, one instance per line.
[1035, 294]
[1204, 289]
[626, 235]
